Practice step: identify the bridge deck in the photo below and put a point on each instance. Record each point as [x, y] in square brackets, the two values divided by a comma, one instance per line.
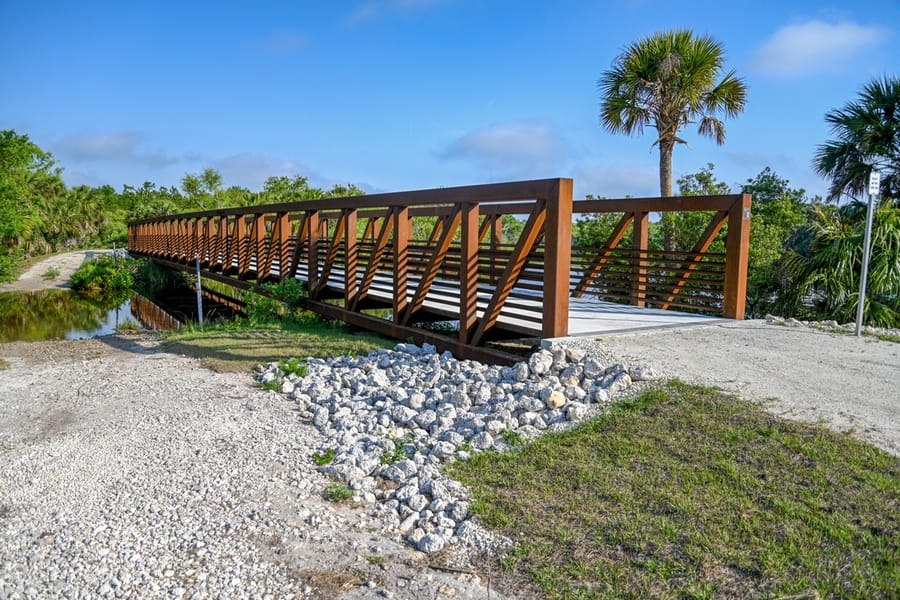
[588, 316]
[499, 260]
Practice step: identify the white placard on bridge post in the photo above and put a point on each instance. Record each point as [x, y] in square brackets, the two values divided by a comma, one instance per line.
[874, 186]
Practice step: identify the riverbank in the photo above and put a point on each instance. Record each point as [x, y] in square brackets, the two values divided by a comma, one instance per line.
[61, 266]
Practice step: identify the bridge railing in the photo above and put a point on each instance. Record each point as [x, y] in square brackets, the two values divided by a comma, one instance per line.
[701, 279]
[443, 254]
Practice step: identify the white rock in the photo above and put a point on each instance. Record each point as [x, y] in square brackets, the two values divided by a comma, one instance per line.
[430, 543]
[576, 411]
[539, 363]
[482, 441]
[643, 373]
[556, 399]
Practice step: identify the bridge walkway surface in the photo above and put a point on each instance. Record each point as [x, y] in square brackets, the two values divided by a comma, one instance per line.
[488, 262]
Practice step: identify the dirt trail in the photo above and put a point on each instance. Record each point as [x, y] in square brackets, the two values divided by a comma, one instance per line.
[848, 383]
[67, 263]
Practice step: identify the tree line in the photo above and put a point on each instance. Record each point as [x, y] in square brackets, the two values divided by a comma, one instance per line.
[40, 215]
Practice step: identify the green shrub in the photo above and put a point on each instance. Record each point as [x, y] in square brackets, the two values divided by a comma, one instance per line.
[293, 366]
[103, 274]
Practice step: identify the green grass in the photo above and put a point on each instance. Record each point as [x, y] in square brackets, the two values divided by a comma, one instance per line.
[399, 452]
[230, 347]
[684, 492]
[293, 366]
[886, 337]
[323, 458]
[129, 325]
[50, 274]
[337, 492]
[3, 364]
[513, 438]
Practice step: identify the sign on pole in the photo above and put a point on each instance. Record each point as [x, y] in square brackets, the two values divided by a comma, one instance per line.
[874, 186]
[874, 183]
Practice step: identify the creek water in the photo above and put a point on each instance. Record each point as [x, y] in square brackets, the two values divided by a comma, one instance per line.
[57, 314]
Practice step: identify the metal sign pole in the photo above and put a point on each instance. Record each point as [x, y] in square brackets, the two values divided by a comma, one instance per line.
[874, 183]
[199, 292]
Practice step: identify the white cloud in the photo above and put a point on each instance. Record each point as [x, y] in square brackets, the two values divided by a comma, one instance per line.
[252, 170]
[815, 47]
[519, 149]
[282, 42]
[371, 10]
[121, 146]
[616, 181]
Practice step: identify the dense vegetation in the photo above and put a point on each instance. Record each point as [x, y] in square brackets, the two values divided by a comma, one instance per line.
[40, 215]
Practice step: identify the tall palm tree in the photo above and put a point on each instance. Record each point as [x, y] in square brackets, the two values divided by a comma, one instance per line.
[667, 81]
[868, 137]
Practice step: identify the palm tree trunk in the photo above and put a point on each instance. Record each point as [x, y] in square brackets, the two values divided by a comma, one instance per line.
[667, 219]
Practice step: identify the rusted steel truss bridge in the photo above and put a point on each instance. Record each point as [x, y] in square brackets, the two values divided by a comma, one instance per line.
[444, 255]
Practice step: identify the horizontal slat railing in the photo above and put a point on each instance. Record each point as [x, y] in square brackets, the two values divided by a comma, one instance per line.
[441, 254]
[363, 249]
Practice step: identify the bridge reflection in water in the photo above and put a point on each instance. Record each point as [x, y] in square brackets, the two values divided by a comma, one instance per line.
[174, 311]
[362, 253]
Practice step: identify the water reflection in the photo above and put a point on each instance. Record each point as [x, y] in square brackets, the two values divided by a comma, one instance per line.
[57, 314]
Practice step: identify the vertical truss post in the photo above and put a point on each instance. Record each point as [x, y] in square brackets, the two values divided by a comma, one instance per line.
[737, 243]
[282, 233]
[351, 257]
[639, 246]
[468, 271]
[496, 241]
[221, 244]
[557, 259]
[242, 244]
[401, 260]
[312, 269]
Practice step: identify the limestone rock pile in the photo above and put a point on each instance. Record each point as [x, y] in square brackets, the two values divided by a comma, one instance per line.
[390, 419]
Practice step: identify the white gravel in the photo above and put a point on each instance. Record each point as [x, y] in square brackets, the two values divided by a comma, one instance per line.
[130, 473]
[127, 472]
[847, 383]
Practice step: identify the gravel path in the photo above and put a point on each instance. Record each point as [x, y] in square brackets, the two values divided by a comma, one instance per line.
[849, 383]
[127, 472]
[67, 263]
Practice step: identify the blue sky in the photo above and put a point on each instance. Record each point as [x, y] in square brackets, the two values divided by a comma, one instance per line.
[406, 94]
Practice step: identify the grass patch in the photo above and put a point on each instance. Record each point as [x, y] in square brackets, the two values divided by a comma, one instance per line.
[511, 437]
[129, 325]
[50, 274]
[400, 452]
[337, 492]
[272, 386]
[687, 492]
[885, 337]
[3, 364]
[323, 458]
[229, 347]
[293, 366]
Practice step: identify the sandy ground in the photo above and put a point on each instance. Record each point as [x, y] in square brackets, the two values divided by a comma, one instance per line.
[848, 383]
[67, 263]
[112, 450]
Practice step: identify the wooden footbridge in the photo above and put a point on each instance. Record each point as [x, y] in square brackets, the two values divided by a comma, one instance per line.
[444, 255]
